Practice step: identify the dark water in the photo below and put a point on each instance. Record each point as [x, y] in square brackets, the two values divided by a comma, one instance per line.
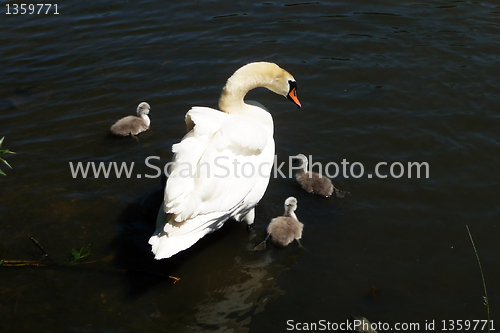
[392, 81]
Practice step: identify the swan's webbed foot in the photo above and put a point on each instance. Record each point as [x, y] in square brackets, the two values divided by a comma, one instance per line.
[340, 193]
[300, 244]
[134, 136]
[262, 245]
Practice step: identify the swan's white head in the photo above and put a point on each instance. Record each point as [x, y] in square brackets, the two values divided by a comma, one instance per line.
[257, 74]
[290, 205]
[303, 161]
[277, 80]
[143, 109]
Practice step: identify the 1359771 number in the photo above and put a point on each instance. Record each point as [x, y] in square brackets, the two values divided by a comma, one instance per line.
[40, 8]
[466, 325]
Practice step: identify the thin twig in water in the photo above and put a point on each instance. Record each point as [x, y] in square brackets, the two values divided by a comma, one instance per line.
[22, 263]
[482, 276]
[39, 246]
[174, 278]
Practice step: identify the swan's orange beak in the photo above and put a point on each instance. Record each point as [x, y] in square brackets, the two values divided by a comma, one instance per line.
[292, 95]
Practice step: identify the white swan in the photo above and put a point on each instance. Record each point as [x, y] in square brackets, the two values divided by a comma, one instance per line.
[132, 125]
[221, 168]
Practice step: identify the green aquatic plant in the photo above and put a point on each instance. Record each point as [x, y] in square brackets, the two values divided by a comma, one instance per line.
[79, 254]
[485, 297]
[3, 152]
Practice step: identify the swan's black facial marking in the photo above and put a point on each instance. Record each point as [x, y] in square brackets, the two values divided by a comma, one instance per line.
[292, 93]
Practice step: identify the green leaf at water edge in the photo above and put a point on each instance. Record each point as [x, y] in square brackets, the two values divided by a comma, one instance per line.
[80, 254]
[7, 163]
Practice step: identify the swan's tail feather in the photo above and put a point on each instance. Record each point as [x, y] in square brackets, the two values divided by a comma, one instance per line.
[165, 247]
[170, 238]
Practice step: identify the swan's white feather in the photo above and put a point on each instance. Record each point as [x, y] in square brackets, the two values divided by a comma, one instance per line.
[207, 174]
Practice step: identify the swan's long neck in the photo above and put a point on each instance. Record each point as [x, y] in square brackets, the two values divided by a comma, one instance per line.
[290, 211]
[232, 97]
[304, 163]
[248, 77]
[146, 119]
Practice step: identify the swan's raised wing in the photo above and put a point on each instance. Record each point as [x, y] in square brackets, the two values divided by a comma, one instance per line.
[222, 163]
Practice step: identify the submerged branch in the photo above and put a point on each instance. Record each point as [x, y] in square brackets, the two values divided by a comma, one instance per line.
[22, 263]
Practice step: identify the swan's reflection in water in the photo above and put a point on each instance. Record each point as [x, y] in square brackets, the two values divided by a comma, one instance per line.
[232, 302]
[222, 294]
